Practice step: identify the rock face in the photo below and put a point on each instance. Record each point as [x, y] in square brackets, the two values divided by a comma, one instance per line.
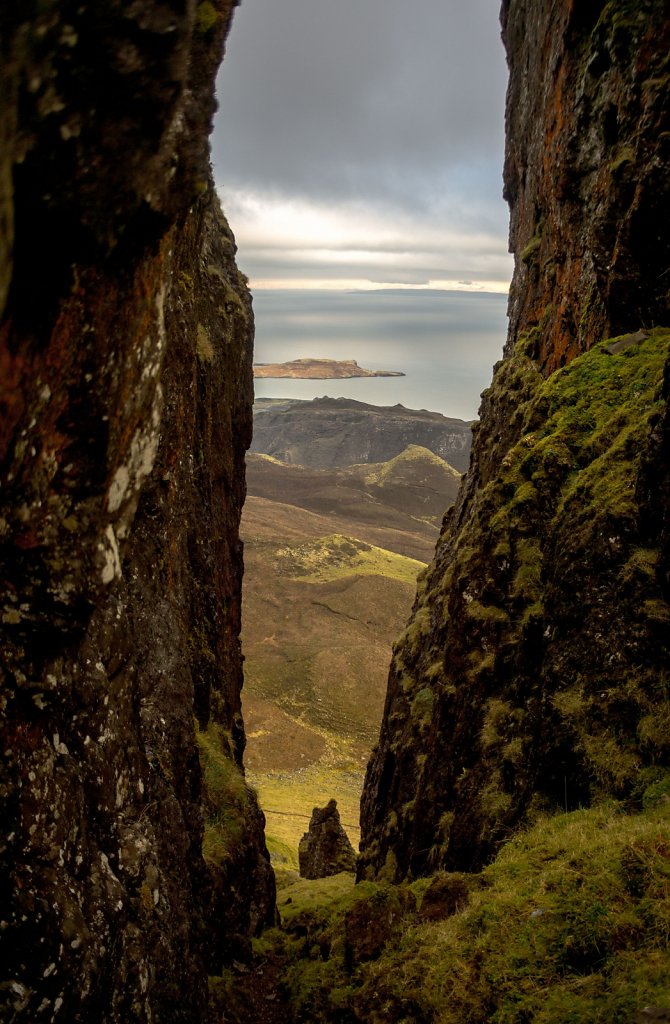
[330, 432]
[587, 145]
[325, 849]
[125, 409]
[533, 674]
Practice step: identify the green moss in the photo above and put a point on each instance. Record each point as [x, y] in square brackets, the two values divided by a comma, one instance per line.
[422, 705]
[530, 251]
[569, 923]
[624, 155]
[555, 528]
[204, 346]
[486, 613]
[206, 17]
[227, 799]
[641, 566]
[527, 583]
[657, 610]
[497, 716]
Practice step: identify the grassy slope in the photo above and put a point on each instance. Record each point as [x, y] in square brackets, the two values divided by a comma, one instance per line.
[569, 925]
[328, 587]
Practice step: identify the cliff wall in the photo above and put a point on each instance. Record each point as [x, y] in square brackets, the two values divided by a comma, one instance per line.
[125, 410]
[533, 674]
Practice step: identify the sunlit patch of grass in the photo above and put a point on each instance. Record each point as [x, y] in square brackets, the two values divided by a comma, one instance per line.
[396, 468]
[335, 557]
[288, 799]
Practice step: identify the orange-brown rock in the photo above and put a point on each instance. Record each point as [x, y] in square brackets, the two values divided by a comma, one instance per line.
[125, 409]
[587, 148]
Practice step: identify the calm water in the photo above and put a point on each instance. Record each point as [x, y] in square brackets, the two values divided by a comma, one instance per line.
[445, 342]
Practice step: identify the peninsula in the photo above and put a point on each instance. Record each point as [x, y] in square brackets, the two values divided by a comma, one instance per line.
[319, 369]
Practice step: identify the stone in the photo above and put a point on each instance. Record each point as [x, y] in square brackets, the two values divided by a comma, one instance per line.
[121, 485]
[325, 849]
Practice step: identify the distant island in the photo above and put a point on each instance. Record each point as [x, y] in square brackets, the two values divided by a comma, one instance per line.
[320, 369]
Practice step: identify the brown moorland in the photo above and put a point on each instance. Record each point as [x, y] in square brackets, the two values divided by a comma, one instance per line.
[331, 559]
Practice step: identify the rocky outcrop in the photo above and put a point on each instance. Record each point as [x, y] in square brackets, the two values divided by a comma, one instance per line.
[325, 848]
[587, 145]
[125, 409]
[533, 673]
[331, 432]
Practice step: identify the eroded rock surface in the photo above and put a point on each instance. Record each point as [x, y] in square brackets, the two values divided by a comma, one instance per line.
[325, 848]
[533, 674]
[587, 144]
[125, 410]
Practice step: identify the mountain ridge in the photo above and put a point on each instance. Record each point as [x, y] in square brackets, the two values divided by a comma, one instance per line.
[331, 432]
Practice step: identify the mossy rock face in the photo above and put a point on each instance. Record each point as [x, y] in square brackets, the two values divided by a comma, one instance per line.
[125, 411]
[546, 608]
[583, 170]
[373, 923]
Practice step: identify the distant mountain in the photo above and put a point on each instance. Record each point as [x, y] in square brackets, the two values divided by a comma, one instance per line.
[396, 504]
[331, 432]
[320, 369]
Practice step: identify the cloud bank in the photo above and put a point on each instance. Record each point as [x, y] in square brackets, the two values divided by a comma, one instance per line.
[359, 144]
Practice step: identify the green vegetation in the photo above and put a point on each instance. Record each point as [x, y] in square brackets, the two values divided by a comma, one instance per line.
[206, 17]
[405, 464]
[530, 251]
[288, 799]
[329, 583]
[228, 801]
[571, 923]
[335, 557]
[204, 347]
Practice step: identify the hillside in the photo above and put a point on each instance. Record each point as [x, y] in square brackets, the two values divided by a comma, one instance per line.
[330, 432]
[331, 561]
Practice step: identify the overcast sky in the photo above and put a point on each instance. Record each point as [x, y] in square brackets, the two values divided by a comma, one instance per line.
[359, 143]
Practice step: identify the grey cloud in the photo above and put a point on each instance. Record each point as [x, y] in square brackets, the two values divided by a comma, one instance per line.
[382, 99]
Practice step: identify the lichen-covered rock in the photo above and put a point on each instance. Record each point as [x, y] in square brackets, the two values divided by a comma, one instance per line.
[534, 671]
[587, 148]
[125, 410]
[325, 849]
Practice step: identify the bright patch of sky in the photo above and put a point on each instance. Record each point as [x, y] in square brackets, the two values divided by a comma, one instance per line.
[360, 144]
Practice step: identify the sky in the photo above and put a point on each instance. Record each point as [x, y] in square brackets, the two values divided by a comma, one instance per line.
[359, 144]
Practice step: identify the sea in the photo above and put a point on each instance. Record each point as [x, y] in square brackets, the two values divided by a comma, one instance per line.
[445, 343]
